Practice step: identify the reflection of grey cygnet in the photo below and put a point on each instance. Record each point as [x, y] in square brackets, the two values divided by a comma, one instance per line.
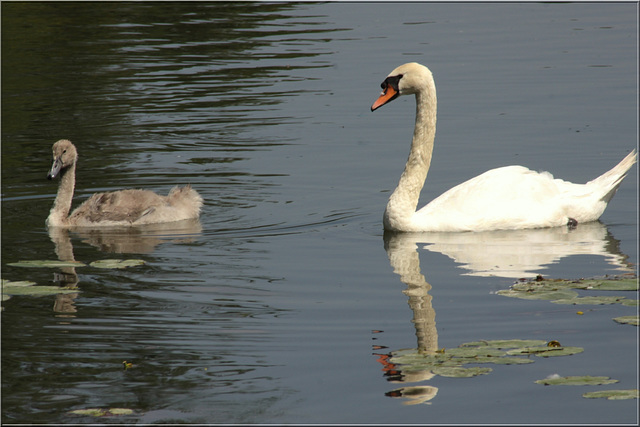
[67, 278]
[507, 198]
[115, 208]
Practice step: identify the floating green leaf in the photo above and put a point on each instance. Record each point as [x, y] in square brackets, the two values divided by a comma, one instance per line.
[612, 394]
[560, 291]
[503, 360]
[589, 300]
[412, 360]
[602, 284]
[458, 372]
[539, 294]
[577, 380]
[473, 352]
[28, 288]
[505, 343]
[116, 263]
[610, 284]
[99, 412]
[17, 284]
[630, 320]
[547, 351]
[543, 285]
[47, 263]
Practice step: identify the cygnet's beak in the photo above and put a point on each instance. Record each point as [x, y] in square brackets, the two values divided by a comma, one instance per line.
[55, 168]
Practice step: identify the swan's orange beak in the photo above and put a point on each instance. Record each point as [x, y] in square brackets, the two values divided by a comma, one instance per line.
[389, 94]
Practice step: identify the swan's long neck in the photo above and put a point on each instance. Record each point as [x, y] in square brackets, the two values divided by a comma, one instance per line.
[404, 200]
[62, 205]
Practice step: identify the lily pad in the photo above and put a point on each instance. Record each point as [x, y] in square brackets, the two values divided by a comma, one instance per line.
[458, 372]
[505, 343]
[28, 288]
[561, 291]
[612, 394]
[504, 360]
[547, 351]
[542, 285]
[630, 320]
[577, 380]
[412, 360]
[474, 352]
[546, 294]
[602, 300]
[611, 284]
[100, 412]
[601, 284]
[16, 284]
[47, 263]
[116, 263]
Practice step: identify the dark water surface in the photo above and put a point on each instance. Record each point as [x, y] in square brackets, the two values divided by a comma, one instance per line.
[282, 303]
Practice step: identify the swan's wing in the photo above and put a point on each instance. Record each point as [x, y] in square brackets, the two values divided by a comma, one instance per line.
[511, 196]
[118, 206]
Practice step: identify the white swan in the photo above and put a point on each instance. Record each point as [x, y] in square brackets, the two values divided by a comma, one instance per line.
[114, 208]
[507, 198]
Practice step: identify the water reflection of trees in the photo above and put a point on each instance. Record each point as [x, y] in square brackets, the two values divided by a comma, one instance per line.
[512, 254]
[180, 70]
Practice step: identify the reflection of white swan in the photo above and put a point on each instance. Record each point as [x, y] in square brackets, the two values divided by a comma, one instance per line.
[523, 253]
[115, 208]
[499, 253]
[402, 250]
[511, 197]
[403, 255]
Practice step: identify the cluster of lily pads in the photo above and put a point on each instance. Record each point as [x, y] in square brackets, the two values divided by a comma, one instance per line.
[103, 263]
[450, 362]
[562, 291]
[26, 287]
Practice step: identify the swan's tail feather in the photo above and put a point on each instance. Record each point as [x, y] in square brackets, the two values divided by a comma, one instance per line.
[186, 198]
[610, 181]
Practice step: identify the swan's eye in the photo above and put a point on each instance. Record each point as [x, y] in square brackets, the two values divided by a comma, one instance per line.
[391, 81]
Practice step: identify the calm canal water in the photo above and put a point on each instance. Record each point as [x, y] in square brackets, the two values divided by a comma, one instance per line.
[283, 302]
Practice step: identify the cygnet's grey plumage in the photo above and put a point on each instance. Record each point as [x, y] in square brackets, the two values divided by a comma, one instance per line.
[114, 208]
